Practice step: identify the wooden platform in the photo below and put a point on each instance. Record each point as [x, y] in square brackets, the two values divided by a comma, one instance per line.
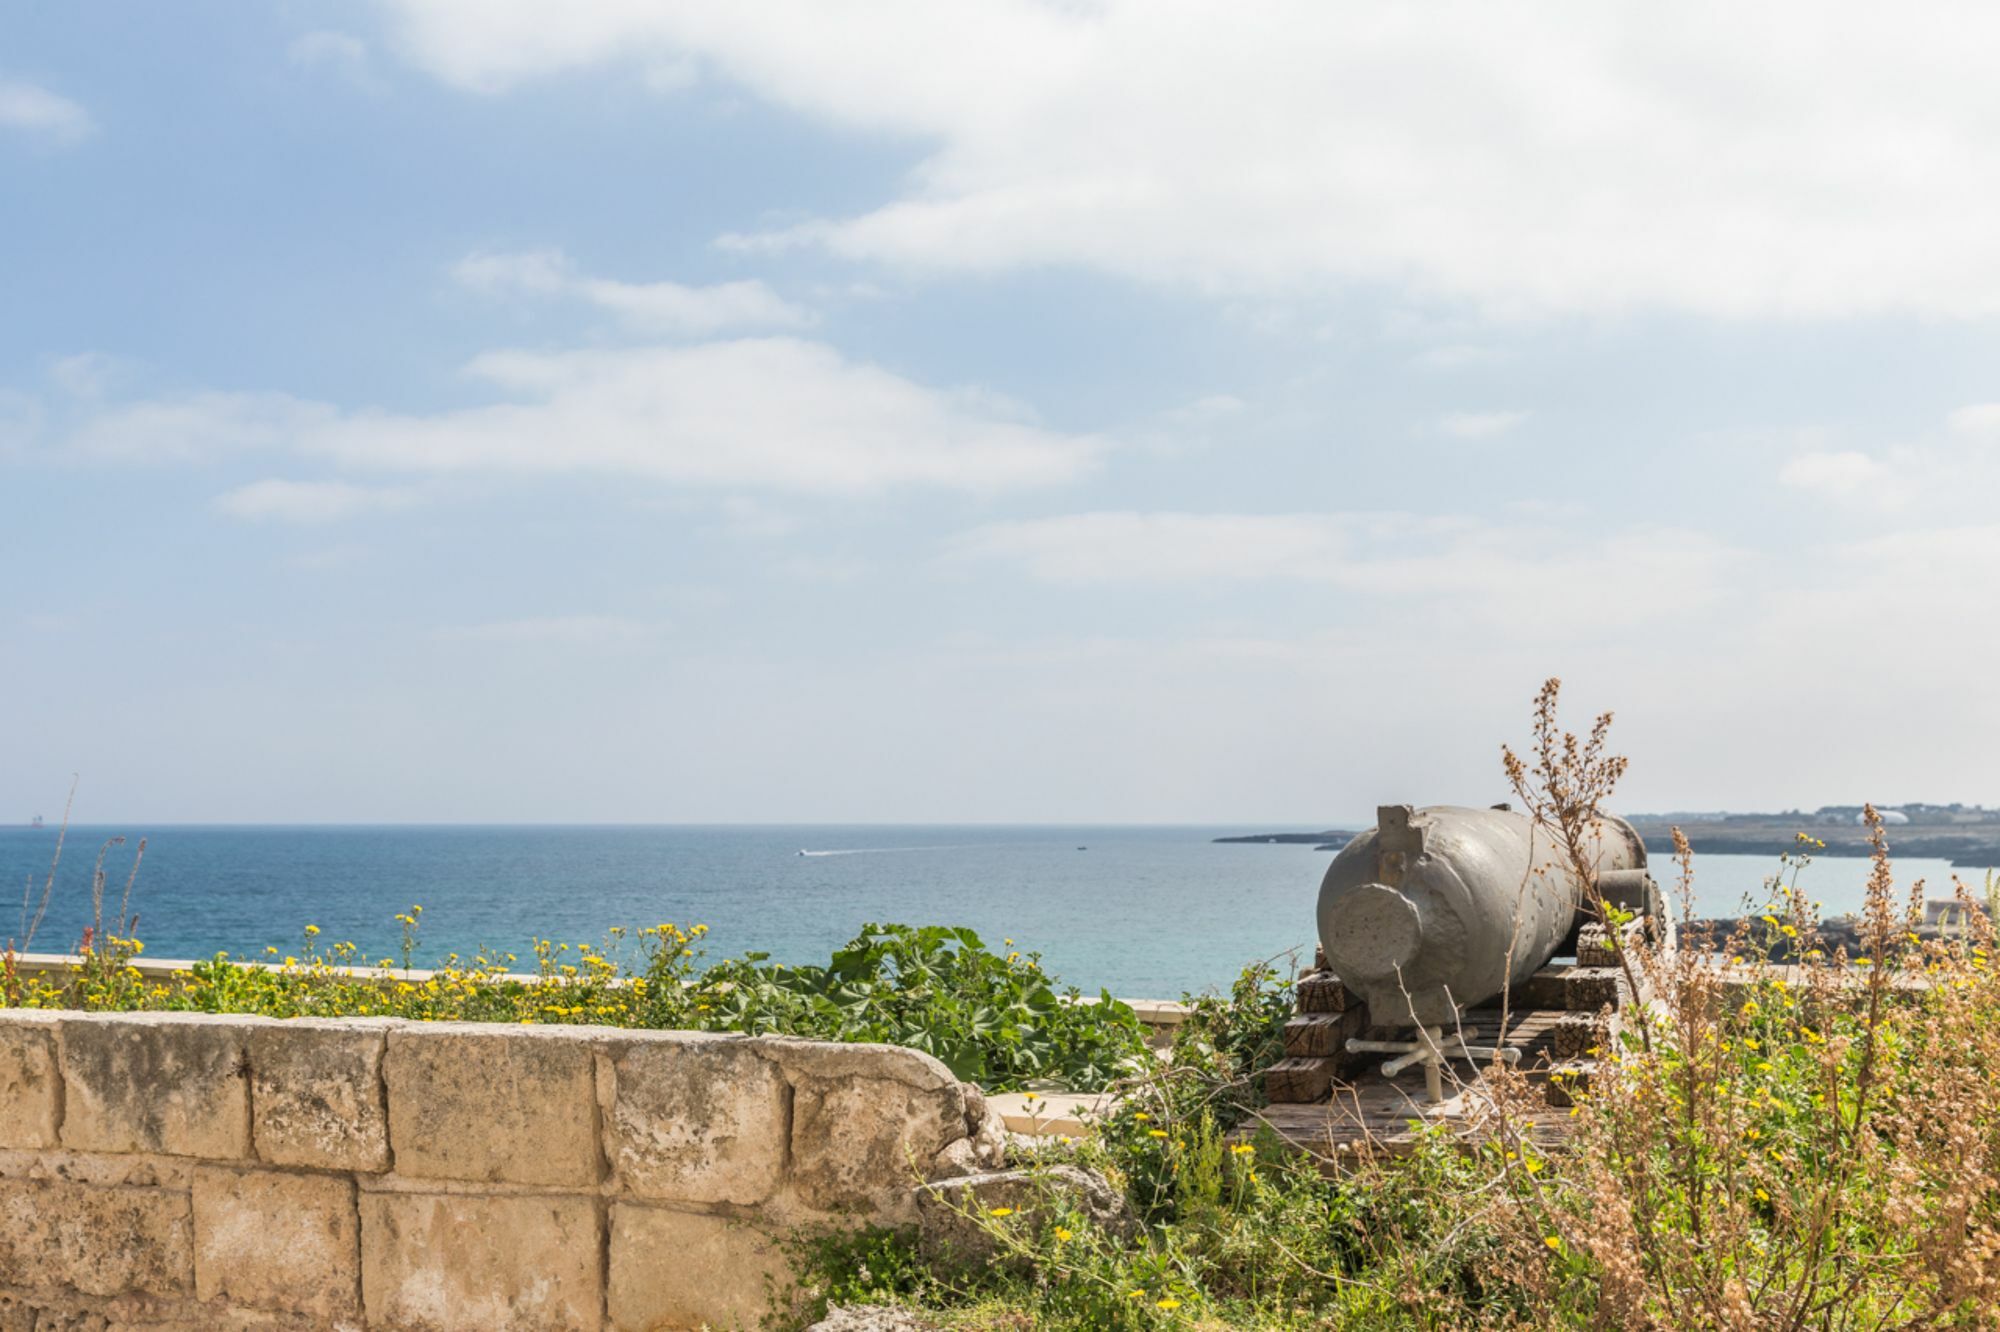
[1369, 1114]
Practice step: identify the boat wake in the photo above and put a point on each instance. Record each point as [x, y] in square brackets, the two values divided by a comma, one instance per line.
[896, 850]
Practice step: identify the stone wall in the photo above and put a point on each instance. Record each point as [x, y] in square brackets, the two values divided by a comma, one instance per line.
[175, 1172]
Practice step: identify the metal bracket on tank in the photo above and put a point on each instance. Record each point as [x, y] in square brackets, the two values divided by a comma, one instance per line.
[1399, 839]
[1431, 1048]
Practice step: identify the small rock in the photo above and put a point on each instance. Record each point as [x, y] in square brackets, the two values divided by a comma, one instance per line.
[952, 1213]
[872, 1318]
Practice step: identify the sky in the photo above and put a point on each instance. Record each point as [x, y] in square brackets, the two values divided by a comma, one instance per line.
[1108, 410]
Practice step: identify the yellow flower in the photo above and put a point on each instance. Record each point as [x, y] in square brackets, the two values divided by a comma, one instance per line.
[1135, 1295]
[1532, 1167]
[1763, 1196]
[1063, 1234]
[1168, 1303]
[1156, 1133]
[1001, 1211]
[1763, 1066]
[1142, 1116]
[311, 930]
[1554, 1242]
[291, 961]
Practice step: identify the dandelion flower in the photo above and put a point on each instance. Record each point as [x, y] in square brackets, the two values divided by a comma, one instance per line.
[1001, 1211]
[1554, 1242]
[1168, 1303]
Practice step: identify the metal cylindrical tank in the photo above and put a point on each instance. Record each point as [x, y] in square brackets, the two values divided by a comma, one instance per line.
[1438, 908]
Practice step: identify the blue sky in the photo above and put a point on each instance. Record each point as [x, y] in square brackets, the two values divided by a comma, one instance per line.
[433, 410]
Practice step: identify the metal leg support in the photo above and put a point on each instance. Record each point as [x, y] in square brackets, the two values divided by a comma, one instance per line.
[1431, 1048]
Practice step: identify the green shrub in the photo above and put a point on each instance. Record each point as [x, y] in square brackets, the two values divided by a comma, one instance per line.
[998, 1020]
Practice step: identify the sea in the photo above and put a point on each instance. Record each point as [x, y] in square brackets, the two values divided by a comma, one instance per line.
[1140, 912]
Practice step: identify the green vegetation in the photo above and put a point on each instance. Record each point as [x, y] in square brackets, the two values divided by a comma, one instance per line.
[994, 1019]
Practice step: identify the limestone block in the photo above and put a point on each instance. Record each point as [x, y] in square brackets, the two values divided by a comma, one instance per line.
[872, 1318]
[685, 1270]
[156, 1082]
[30, 1084]
[487, 1103]
[699, 1118]
[270, 1239]
[868, 1121]
[316, 1096]
[953, 1214]
[103, 1169]
[466, 1263]
[100, 1241]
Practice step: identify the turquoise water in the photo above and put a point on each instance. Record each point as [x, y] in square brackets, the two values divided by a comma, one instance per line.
[1143, 912]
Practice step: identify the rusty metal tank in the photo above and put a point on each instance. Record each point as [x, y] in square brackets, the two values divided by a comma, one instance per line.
[1439, 908]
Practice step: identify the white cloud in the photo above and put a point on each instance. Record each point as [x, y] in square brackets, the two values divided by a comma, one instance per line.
[767, 413]
[278, 500]
[549, 629]
[36, 111]
[338, 52]
[1507, 573]
[196, 427]
[1479, 425]
[1943, 472]
[1525, 158]
[1981, 420]
[756, 414]
[651, 307]
[1844, 473]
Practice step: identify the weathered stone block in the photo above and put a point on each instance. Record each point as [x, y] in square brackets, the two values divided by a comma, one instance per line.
[270, 1239]
[316, 1094]
[156, 1082]
[685, 1270]
[30, 1083]
[953, 1214]
[467, 1263]
[100, 1241]
[693, 1117]
[488, 1103]
[867, 1123]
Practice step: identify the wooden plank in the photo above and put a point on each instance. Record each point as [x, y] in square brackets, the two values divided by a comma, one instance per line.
[1322, 1035]
[1367, 1114]
[1594, 946]
[1323, 992]
[1576, 989]
[1300, 1081]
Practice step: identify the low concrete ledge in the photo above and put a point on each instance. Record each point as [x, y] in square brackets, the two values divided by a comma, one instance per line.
[193, 1171]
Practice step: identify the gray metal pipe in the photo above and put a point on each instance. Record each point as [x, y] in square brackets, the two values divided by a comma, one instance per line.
[1438, 908]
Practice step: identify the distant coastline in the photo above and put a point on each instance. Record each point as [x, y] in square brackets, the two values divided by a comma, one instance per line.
[1967, 836]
